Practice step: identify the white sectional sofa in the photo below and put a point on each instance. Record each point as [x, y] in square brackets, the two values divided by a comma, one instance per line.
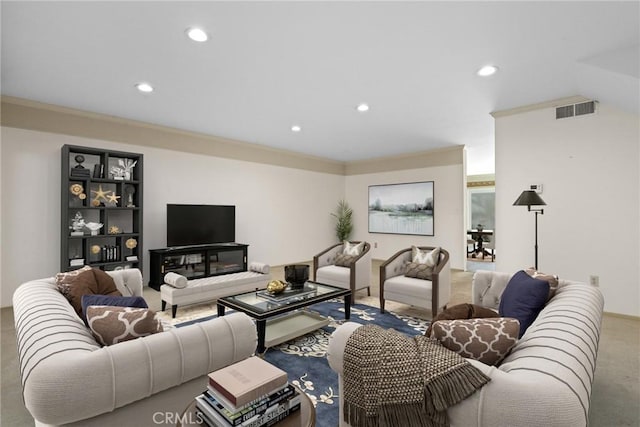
[69, 379]
[545, 380]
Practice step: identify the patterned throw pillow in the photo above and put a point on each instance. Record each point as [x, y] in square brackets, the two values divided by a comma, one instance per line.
[343, 260]
[418, 270]
[428, 257]
[462, 311]
[352, 248]
[91, 281]
[111, 300]
[111, 325]
[69, 275]
[485, 340]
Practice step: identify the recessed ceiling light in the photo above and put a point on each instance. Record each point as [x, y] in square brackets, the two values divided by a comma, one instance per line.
[144, 87]
[197, 34]
[487, 70]
[362, 107]
[295, 128]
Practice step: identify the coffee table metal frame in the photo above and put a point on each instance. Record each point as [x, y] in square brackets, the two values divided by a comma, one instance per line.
[263, 310]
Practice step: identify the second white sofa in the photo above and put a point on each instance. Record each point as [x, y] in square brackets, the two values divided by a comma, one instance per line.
[69, 379]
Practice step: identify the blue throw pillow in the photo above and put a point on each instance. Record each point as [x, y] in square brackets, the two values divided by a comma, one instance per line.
[523, 298]
[116, 301]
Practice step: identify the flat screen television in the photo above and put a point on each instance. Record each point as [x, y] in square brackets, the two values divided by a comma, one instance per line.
[200, 224]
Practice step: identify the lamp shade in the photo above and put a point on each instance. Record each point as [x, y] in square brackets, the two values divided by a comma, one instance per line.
[529, 198]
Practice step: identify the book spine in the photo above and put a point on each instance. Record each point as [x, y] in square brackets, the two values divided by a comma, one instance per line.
[212, 415]
[279, 412]
[249, 412]
[270, 399]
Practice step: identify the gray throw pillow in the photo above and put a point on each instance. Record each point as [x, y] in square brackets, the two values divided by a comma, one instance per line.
[344, 260]
[418, 270]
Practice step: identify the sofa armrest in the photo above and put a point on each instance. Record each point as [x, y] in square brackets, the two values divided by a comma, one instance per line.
[128, 281]
[115, 376]
[487, 288]
[337, 344]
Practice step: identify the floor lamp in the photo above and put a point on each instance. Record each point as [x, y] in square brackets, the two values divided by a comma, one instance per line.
[530, 198]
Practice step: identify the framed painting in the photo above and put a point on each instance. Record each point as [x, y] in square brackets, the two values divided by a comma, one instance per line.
[401, 208]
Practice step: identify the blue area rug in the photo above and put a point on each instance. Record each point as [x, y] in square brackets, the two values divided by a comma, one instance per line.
[304, 358]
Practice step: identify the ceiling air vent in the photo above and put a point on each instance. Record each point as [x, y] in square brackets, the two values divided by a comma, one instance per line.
[580, 109]
[564, 112]
[585, 108]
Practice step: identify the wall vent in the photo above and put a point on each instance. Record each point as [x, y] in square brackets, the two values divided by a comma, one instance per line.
[580, 109]
[585, 108]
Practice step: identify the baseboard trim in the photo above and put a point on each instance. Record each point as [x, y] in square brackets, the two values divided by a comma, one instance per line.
[622, 316]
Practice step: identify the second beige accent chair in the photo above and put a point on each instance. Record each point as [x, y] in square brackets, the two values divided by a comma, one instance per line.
[345, 265]
[430, 287]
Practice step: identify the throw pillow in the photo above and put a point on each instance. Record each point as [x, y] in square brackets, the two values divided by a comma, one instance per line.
[462, 311]
[259, 267]
[418, 270]
[485, 340]
[68, 275]
[523, 298]
[425, 256]
[110, 300]
[111, 325]
[91, 281]
[352, 248]
[552, 279]
[176, 280]
[343, 260]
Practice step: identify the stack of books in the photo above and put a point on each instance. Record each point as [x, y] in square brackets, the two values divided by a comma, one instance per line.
[250, 393]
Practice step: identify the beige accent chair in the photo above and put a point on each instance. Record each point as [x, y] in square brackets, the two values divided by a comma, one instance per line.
[430, 294]
[355, 277]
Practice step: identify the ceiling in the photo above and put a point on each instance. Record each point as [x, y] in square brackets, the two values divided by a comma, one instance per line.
[270, 65]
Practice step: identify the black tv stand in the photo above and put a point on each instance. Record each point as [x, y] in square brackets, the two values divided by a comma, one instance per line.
[197, 261]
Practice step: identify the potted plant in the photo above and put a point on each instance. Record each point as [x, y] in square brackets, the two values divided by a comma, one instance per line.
[344, 224]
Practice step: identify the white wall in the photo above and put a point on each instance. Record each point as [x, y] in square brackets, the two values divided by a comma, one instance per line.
[589, 167]
[282, 213]
[449, 225]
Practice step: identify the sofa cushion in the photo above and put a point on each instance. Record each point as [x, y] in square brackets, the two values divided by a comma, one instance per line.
[352, 248]
[89, 281]
[111, 300]
[551, 279]
[111, 325]
[462, 311]
[485, 340]
[344, 260]
[523, 298]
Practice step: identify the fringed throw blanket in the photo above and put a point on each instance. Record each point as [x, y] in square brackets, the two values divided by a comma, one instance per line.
[394, 380]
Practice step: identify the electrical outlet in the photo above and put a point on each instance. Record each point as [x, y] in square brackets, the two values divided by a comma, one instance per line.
[594, 281]
[375, 244]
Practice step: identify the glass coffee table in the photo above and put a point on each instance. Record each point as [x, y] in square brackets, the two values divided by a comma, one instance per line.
[283, 316]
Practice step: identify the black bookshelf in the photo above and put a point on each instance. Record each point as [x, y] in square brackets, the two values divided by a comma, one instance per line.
[101, 187]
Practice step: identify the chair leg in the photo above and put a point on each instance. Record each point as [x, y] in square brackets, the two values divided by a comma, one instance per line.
[368, 291]
[381, 305]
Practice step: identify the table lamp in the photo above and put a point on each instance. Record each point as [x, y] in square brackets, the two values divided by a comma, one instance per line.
[530, 198]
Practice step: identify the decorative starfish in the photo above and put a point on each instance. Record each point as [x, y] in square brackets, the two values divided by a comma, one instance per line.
[112, 198]
[100, 193]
